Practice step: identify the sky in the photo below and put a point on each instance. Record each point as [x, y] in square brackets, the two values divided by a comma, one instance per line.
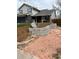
[40, 4]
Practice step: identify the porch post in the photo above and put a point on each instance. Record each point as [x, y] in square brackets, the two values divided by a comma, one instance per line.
[36, 19]
[42, 19]
[50, 19]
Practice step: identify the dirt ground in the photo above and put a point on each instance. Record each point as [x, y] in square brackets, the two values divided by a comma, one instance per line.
[45, 47]
[22, 33]
[40, 25]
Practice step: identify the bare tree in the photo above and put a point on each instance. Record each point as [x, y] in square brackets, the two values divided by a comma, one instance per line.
[57, 10]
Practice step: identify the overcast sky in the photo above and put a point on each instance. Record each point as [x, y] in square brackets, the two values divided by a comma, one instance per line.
[40, 4]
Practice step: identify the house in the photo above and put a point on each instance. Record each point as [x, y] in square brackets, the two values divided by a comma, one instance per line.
[46, 15]
[25, 13]
[43, 15]
[28, 13]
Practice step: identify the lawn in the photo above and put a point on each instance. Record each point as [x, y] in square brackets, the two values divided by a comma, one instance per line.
[24, 24]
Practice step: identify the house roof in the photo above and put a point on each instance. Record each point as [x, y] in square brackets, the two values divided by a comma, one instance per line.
[29, 6]
[44, 13]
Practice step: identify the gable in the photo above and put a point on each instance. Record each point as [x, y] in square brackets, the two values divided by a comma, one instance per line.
[28, 10]
[28, 6]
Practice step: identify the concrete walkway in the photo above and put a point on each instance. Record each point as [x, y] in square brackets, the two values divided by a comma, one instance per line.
[21, 55]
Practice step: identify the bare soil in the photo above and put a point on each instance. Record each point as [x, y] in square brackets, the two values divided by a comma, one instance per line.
[42, 24]
[45, 47]
[22, 33]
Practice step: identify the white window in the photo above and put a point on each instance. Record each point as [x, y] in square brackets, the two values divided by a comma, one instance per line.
[29, 10]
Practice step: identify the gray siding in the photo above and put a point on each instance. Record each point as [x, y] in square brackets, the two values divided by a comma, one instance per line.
[34, 12]
[28, 10]
[25, 9]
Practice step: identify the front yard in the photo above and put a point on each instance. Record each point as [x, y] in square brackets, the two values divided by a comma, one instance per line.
[22, 31]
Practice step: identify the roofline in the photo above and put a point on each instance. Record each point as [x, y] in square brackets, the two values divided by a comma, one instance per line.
[29, 6]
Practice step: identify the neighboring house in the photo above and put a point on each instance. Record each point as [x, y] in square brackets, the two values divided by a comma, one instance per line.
[56, 16]
[25, 13]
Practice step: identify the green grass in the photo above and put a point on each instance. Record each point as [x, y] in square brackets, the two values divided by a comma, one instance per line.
[24, 25]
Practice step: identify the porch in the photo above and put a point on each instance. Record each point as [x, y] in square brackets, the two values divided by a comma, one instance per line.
[41, 19]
